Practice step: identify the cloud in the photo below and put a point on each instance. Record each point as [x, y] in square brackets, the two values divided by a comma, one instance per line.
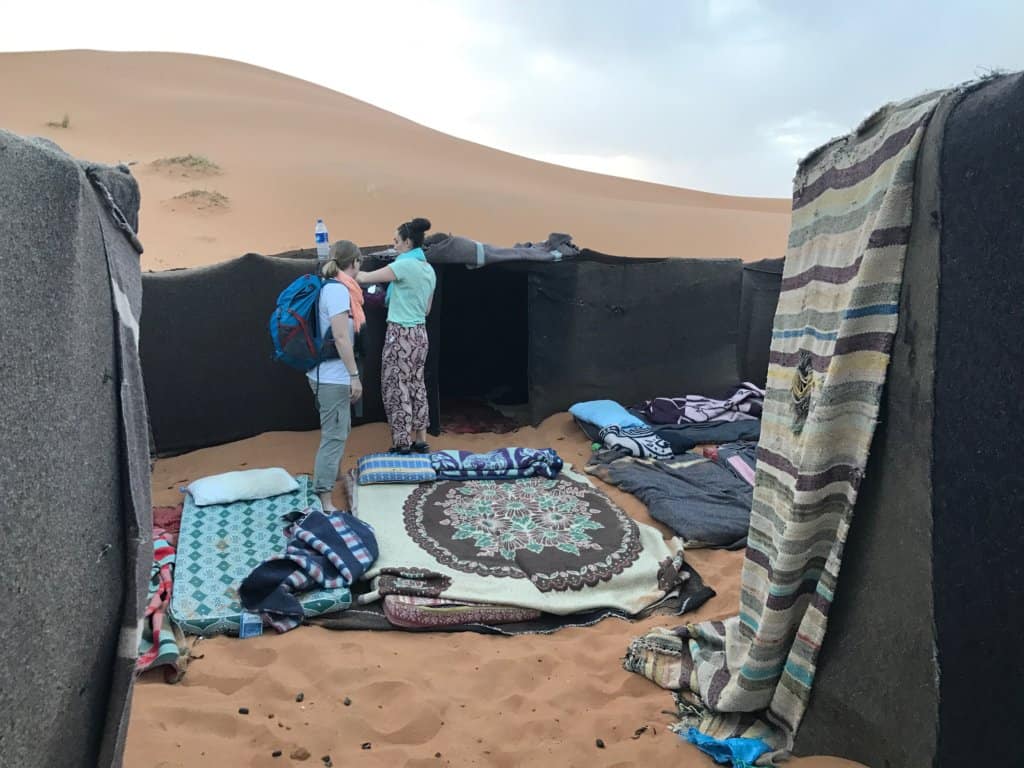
[722, 95]
[797, 136]
[546, 64]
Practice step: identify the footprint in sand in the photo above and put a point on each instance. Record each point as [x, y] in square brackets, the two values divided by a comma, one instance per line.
[221, 724]
[424, 726]
[254, 656]
[512, 703]
[245, 658]
[392, 724]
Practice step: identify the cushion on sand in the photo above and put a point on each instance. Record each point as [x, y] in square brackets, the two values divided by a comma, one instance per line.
[395, 468]
[243, 485]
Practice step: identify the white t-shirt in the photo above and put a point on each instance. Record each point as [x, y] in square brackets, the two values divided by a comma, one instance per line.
[334, 300]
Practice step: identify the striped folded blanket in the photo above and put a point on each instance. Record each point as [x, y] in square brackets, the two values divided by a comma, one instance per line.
[751, 675]
[161, 643]
[745, 402]
[324, 552]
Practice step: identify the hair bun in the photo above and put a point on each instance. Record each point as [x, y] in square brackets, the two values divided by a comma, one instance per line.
[420, 225]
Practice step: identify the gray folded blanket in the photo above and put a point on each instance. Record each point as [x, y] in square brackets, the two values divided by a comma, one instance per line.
[702, 501]
[443, 248]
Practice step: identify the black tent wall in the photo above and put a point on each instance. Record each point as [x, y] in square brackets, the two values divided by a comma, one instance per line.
[920, 665]
[206, 354]
[596, 326]
[629, 329]
[65, 535]
[762, 282]
[208, 360]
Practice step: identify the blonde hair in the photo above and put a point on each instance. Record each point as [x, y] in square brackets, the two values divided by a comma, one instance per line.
[343, 254]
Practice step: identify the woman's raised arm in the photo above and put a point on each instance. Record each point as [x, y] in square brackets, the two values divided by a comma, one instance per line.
[382, 275]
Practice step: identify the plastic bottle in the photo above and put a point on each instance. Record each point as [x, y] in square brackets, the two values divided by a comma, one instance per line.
[323, 244]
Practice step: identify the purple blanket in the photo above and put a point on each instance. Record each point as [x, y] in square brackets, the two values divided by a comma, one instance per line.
[745, 402]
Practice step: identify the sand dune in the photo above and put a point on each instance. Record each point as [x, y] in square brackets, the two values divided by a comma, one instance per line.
[473, 699]
[290, 151]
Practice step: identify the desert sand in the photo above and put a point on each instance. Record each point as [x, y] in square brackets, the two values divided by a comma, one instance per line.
[232, 158]
[473, 699]
[285, 151]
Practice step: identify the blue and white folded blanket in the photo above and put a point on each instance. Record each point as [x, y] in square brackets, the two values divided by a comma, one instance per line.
[502, 464]
[324, 552]
[641, 442]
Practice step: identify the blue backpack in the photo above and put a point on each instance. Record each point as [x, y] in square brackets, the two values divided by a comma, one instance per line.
[293, 326]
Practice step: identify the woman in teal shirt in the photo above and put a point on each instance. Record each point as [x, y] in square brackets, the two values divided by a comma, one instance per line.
[410, 296]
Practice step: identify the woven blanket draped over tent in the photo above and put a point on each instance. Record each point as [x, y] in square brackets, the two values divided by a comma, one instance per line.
[837, 314]
[452, 249]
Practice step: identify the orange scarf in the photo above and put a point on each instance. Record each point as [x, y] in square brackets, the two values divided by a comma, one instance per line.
[355, 293]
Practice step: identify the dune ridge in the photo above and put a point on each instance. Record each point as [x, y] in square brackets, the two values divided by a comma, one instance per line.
[290, 151]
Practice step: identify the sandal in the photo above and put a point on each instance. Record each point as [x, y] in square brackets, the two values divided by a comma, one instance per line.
[421, 447]
[404, 450]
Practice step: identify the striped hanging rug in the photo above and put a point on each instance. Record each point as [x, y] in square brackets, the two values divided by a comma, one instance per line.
[751, 675]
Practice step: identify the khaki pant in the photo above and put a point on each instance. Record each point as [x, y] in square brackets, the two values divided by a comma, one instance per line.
[335, 424]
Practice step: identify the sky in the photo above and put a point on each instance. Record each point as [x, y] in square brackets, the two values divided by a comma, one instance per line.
[718, 95]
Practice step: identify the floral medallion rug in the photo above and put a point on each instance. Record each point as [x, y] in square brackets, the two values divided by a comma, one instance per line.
[556, 545]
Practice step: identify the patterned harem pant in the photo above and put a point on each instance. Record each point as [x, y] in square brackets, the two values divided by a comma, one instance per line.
[402, 381]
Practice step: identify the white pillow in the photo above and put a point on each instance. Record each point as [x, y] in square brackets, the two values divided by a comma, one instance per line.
[243, 485]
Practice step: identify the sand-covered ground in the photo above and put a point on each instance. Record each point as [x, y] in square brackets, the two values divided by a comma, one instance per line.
[540, 700]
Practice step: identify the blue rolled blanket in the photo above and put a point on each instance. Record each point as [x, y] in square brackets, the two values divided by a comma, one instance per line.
[502, 464]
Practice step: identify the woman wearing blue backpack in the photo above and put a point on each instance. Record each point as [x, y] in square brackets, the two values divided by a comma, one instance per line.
[335, 382]
[410, 296]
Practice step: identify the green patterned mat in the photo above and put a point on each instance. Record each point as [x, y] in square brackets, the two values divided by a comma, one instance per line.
[219, 545]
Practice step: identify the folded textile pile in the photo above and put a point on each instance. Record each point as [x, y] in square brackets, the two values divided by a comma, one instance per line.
[683, 437]
[703, 501]
[641, 442]
[161, 643]
[744, 402]
[502, 464]
[441, 248]
[324, 552]
[411, 612]
[610, 424]
[168, 518]
[739, 457]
